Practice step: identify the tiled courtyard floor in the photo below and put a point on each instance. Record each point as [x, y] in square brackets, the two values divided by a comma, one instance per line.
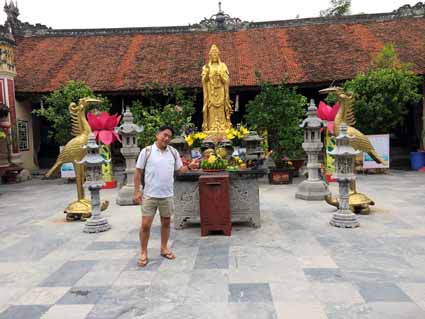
[295, 266]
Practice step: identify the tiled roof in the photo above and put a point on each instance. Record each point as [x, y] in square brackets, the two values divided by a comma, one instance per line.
[126, 62]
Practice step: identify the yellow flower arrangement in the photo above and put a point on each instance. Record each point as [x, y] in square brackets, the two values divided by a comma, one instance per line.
[195, 139]
[236, 135]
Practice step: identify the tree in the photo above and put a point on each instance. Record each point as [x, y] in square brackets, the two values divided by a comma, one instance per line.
[278, 110]
[383, 94]
[56, 111]
[177, 112]
[338, 8]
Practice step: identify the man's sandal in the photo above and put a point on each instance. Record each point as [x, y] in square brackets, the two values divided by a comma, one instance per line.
[168, 255]
[142, 261]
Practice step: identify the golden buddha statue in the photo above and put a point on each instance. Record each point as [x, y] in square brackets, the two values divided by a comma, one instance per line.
[215, 83]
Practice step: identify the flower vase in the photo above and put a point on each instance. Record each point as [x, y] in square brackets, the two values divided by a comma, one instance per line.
[196, 153]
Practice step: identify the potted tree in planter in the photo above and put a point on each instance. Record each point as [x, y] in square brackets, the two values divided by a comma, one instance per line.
[278, 110]
[283, 172]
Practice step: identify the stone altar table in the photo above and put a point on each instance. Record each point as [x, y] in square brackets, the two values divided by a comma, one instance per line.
[244, 197]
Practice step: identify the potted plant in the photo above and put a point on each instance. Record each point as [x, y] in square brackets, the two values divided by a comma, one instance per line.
[283, 172]
[194, 140]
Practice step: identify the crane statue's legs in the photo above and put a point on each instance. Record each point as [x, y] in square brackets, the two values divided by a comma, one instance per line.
[81, 208]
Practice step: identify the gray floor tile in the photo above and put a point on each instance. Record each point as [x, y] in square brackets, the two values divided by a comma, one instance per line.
[381, 292]
[68, 274]
[24, 312]
[82, 296]
[253, 311]
[251, 293]
[106, 245]
[324, 274]
[206, 261]
[395, 310]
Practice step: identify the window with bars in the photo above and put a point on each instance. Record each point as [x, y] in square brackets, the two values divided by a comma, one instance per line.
[23, 138]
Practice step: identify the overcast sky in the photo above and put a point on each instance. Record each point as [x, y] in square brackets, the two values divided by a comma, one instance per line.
[66, 14]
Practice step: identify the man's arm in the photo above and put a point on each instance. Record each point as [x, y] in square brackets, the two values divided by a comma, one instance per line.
[137, 179]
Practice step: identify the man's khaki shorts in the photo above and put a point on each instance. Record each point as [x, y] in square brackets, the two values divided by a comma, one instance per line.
[151, 204]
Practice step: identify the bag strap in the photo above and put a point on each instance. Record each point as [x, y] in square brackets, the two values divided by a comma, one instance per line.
[174, 152]
[148, 152]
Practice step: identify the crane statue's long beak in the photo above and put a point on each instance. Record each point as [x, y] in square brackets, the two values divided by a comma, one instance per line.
[92, 100]
[332, 89]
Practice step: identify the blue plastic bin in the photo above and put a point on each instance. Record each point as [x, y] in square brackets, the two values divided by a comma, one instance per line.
[417, 160]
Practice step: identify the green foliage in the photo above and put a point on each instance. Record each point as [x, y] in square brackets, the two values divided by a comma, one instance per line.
[177, 112]
[331, 99]
[56, 109]
[2, 134]
[337, 8]
[383, 94]
[278, 110]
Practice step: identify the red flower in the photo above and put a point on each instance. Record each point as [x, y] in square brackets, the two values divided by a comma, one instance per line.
[103, 126]
[328, 113]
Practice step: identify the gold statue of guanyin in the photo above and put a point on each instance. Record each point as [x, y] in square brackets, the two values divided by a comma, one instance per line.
[217, 107]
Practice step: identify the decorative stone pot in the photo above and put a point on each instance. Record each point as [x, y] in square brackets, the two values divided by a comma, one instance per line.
[281, 175]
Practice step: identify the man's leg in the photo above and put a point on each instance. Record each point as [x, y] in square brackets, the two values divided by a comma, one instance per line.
[165, 210]
[149, 207]
[144, 233]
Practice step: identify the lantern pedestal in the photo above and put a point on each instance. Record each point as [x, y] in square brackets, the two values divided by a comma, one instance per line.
[345, 156]
[97, 223]
[128, 131]
[344, 217]
[125, 196]
[313, 188]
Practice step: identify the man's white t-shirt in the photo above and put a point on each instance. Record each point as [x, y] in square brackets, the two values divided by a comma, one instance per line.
[159, 174]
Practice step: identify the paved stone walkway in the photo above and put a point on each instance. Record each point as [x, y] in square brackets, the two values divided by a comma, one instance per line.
[295, 266]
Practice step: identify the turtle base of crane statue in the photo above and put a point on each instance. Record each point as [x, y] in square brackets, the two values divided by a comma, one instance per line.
[359, 203]
[81, 209]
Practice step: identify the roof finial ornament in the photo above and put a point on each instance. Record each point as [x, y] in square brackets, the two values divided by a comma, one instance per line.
[219, 7]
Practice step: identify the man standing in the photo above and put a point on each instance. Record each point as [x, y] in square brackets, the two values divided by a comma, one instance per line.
[155, 167]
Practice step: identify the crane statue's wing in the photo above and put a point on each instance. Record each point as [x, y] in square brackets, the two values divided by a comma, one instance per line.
[360, 142]
[75, 121]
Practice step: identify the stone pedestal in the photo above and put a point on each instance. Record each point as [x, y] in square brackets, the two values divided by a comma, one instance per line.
[128, 131]
[125, 195]
[244, 197]
[313, 188]
[344, 217]
[97, 223]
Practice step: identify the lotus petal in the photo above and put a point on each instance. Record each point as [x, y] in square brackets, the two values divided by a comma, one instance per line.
[103, 119]
[117, 137]
[106, 137]
[331, 127]
[334, 111]
[110, 123]
[93, 121]
[324, 111]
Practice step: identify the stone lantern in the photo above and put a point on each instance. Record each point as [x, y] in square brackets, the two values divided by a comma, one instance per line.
[345, 156]
[314, 188]
[180, 144]
[93, 164]
[128, 131]
[252, 142]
